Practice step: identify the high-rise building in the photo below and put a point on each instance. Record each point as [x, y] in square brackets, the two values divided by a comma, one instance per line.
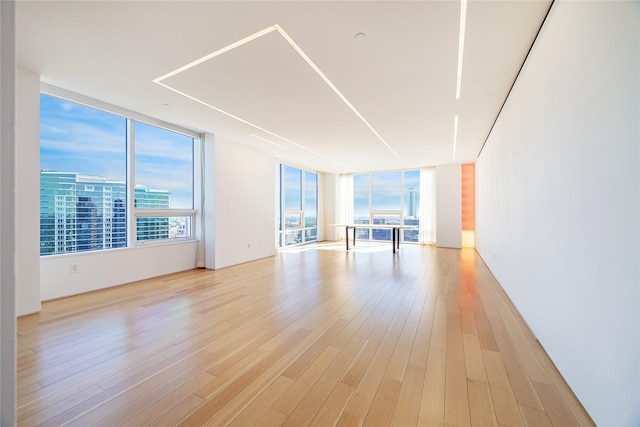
[85, 212]
[152, 228]
[412, 207]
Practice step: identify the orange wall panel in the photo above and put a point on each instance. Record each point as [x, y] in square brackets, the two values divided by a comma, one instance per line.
[469, 197]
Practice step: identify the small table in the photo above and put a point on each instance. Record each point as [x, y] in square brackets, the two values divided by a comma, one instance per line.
[395, 231]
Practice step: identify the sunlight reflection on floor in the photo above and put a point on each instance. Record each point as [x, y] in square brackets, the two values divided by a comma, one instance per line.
[361, 246]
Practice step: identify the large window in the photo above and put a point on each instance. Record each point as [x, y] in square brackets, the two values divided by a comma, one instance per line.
[163, 182]
[390, 198]
[386, 202]
[87, 199]
[411, 196]
[298, 206]
[362, 204]
[310, 206]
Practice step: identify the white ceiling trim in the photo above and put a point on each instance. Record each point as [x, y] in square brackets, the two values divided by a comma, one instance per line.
[303, 55]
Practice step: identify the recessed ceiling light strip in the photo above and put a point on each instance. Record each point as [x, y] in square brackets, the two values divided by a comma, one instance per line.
[307, 60]
[333, 87]
[463, 24]
[217, 52]
[455, 135]
[247, 123]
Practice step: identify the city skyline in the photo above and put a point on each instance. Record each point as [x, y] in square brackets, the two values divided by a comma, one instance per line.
[86, 212]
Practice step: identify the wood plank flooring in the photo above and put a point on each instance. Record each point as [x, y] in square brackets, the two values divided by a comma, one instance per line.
[313, 336]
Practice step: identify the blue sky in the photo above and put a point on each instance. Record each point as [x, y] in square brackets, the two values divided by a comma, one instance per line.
[75, 138]
[293, 178]
[293, 187]
[386, 188]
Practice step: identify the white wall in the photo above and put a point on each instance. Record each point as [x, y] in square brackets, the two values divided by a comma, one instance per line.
[244, 204]
[449, 206]
[103, 269]
[28, 188]
[239, 199]
[557, 193]
[50, 277]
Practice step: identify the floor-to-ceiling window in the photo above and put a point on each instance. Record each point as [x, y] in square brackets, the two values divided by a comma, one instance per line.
[362, 204]
[310, 206]
[390, 198]
[298, 217]
[92, 197]
[411, 208]
[386, 202]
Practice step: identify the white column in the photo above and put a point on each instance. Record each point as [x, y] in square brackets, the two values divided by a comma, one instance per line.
[7, 216]
[449, 206]
[208, 204]
[27, 186]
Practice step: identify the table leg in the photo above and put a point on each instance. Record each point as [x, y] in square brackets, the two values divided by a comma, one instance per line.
[346, 232]
[393, 239]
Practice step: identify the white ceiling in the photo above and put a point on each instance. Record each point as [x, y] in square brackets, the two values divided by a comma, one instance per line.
[325, 100]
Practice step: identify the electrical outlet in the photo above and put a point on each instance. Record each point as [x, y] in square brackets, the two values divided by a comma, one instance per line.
[73, 268]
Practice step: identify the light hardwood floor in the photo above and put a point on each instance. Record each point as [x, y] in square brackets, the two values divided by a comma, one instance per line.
[313, 336]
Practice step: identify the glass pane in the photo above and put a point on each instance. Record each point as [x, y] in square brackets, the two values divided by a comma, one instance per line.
[163, 227]
[292, 220]
[311, 235]
[82, 178]
[292, 237]
[387, 219]
[361, 195]
[362, 233]
[411, 205]
[411, 235]
[386, 191]
[310, 199]
[292, 189]
[163, 168]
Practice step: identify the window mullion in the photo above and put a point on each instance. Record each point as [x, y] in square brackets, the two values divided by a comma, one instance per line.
[303, 195]
[131, 218]
[282, 205]
[402, 204]
[370, 205]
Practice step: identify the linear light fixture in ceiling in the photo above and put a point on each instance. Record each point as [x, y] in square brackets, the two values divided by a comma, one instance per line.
[216, 53]
[463, 25]
[206, 104]
[303, 55]
[266, 140]
[193, 98]
[455, 135]
[315, 68]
